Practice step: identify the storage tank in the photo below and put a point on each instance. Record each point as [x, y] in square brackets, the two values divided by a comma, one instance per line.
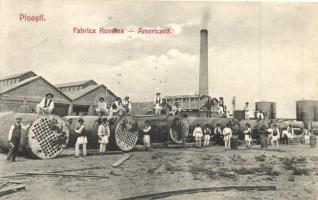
[307, 111]
[267, 108]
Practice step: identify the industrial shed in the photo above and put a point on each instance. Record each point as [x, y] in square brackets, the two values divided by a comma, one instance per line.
[84, 96]
[21, 93]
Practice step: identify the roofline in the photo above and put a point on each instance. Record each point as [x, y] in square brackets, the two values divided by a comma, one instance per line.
[89, 91]
[60, 85]
[37, 77]
[8, 77]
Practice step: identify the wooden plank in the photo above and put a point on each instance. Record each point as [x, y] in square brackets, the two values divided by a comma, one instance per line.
[122, 160]
[198, 190]
[11, 190]
[3, 184]
[59, 174]
[79, 169]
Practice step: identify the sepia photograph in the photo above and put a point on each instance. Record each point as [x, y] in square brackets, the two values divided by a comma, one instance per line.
[171, 100]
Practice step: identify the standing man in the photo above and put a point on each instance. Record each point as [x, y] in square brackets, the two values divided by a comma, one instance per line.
[103, 135]
[227, 133]
[207, 135]
[247, 134]
[275, 136]
[81, 139]
[218, 134]
[158, 102]
[246, 109]
[146, 132]
[14, 138]
[46, 105]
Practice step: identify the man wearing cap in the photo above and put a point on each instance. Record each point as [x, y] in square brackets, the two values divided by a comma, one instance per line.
[101, 108]
[126, 105]
[103, 135]
[158, 102]
[14, 138]
[81, 139]
[46, 105]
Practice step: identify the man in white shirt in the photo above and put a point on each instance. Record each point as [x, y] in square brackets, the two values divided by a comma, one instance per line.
[46, 105]
[227, 135]
[158, 102]
[101, 108]
[14, 138]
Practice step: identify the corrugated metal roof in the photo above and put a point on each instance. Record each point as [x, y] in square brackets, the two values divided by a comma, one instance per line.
[79, 93]
[4, 90]
[16, 75]
[76, 83]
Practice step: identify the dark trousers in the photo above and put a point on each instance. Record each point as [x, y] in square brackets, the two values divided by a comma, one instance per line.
[284, 140]
[13, 151]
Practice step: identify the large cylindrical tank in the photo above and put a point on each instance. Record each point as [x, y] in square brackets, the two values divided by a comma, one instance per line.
[123, 132]
[307, 111]
[267, 108]
[45, 138]
[175, 126]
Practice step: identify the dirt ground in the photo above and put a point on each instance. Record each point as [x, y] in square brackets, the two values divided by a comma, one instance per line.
[292, 169]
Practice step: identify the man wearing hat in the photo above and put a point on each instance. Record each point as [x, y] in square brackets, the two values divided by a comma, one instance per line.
[103, 135]
[81, 139]
[46, 105]
[158, 102]
[146, 133]
[14, 138]
[126, 105]
[101, 108]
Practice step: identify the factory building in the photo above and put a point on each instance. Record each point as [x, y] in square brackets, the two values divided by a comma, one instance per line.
[21, 93]
[307, 111]
[85, 95]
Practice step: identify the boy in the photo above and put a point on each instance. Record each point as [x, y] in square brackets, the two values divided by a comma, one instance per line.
[103, 134]
[198, 134]
[207, 135]
[14, 138]
[81, 139]
[146, 134]
[158, 102]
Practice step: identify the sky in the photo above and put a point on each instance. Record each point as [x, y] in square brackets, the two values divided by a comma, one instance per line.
[257, 51]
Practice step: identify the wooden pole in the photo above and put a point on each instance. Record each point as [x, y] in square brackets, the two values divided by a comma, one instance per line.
[59, 174]
[11, 190]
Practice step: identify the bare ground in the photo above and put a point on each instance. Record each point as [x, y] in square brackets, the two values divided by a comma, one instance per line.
[293, 170]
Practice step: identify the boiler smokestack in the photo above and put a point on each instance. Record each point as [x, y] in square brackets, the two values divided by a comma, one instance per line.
[204, 68]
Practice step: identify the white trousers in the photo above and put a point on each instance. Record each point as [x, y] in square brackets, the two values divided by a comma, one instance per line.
[77, 147]
[227, 144]
[146, 141]
[102, 147]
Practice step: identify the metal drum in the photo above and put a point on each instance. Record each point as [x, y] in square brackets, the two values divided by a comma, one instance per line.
[123, 132]
[48, 135]
[45, 138]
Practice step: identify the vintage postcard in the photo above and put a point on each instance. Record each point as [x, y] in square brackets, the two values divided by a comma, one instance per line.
[158, 100]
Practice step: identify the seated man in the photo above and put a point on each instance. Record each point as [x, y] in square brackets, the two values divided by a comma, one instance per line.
[101, 108]
[175, 110]
[126, 106]
[46, 105]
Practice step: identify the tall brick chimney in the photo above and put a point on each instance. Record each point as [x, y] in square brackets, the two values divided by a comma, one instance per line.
[204, 66]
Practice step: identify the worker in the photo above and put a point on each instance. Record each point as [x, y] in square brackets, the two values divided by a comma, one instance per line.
[146, 135]
[101, 108]
[46, 105]
[217, 136]
[246, 110]
[14, 138]
[81, 138]
[227, 134]
[206, 135]
[221, 106]
[126, 105]
[198, 134]
[176, 109]
[158, 102]
[290, 130]
[103, 135]
[226, 112]
[306, 136]
[247, 135]
[116, 107]
[275, 136]
[284, 137]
